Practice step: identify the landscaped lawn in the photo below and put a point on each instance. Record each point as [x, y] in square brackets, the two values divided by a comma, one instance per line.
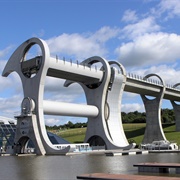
[134, 133]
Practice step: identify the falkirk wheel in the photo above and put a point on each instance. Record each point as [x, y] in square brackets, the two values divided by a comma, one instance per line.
[103, 89]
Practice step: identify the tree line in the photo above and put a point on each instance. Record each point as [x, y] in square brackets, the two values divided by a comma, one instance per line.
[167, 116]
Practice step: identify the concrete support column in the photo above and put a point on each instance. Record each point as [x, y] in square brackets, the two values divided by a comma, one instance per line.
[153, 129]
[176, 108]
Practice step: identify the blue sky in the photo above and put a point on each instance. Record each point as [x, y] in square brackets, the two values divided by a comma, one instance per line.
[143, 35]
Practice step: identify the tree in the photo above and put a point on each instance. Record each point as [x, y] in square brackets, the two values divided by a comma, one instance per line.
[70, 125]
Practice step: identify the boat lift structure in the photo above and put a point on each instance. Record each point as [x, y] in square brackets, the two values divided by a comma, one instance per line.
[102, 87]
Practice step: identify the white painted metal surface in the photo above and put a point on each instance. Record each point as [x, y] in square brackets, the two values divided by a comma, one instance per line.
[69, 109]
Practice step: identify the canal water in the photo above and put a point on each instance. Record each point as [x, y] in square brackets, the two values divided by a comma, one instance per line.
[68, 167]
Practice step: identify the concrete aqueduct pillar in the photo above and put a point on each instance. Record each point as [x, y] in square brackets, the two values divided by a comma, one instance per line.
[153, 129]
[176, 108]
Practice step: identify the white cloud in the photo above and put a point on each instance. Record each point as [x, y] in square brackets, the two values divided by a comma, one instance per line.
[55, 90]
[11, 93]
[104, 34]
[82, 45]
[146, 25]
[170, 7]
[11, 105]
[75, 45]
[132, 107]
[150, 49]
[5, 81]
[11, 85]
[129, 16]
[52, 121]
[59, 120]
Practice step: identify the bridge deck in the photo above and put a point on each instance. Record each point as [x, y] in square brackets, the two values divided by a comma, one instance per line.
[106, 176]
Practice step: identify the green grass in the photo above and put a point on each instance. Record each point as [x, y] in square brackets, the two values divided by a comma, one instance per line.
[133, 132]
[171, 134]
[73, 135]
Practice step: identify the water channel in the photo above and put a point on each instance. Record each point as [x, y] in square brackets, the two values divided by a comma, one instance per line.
[68, 167]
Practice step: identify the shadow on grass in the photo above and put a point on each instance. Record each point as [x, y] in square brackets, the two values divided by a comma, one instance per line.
[169, 128]
[134, 133]
[168, 125]
[141, 131]
[169, 132]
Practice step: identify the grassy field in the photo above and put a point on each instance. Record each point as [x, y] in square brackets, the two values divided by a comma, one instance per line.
[134, 133]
